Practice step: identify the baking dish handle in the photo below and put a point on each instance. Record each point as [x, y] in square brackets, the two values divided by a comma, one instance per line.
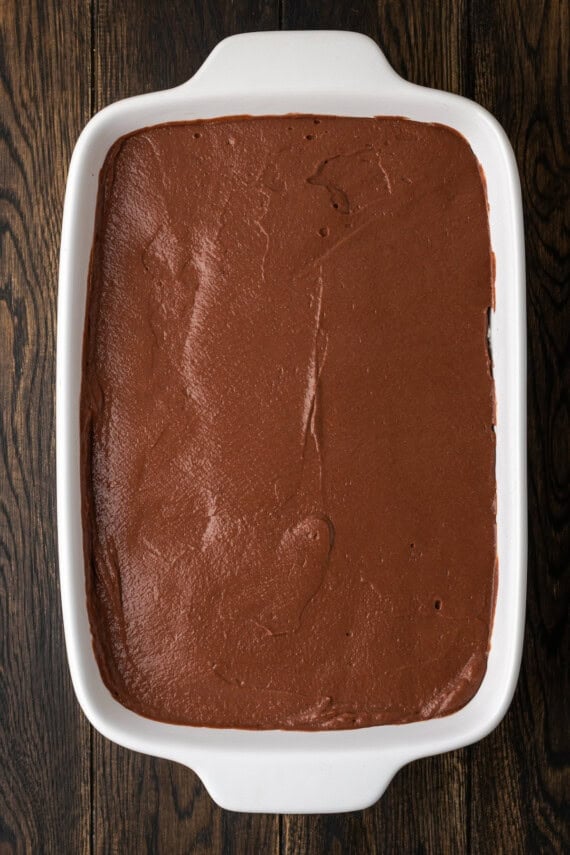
[324, 61]
[296, 781]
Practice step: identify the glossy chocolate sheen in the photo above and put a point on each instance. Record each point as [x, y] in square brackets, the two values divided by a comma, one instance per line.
[287, 423]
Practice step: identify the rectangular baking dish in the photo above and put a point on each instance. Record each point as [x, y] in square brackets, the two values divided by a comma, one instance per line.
[336, 73]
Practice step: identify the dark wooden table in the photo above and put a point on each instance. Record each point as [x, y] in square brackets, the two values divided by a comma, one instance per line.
[65, 789]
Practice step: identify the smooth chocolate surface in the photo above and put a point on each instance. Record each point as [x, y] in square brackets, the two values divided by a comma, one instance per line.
[287, 423]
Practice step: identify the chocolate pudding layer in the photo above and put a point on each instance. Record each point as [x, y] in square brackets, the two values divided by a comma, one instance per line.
[288, 488]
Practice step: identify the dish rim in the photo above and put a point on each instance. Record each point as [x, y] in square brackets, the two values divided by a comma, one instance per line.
[298, 771]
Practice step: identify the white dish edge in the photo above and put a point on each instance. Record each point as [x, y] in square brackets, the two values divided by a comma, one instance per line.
[276, 73]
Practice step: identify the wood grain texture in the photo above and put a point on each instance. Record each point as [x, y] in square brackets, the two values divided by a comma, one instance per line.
[522, 75]
[63, 788]
[44, 741]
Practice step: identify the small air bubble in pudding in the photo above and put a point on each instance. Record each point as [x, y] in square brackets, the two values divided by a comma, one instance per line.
[197, 135]
[437, 605]
[309, 137]
[324, 232]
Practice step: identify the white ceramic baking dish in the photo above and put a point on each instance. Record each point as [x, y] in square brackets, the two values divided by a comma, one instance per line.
[335, 73]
